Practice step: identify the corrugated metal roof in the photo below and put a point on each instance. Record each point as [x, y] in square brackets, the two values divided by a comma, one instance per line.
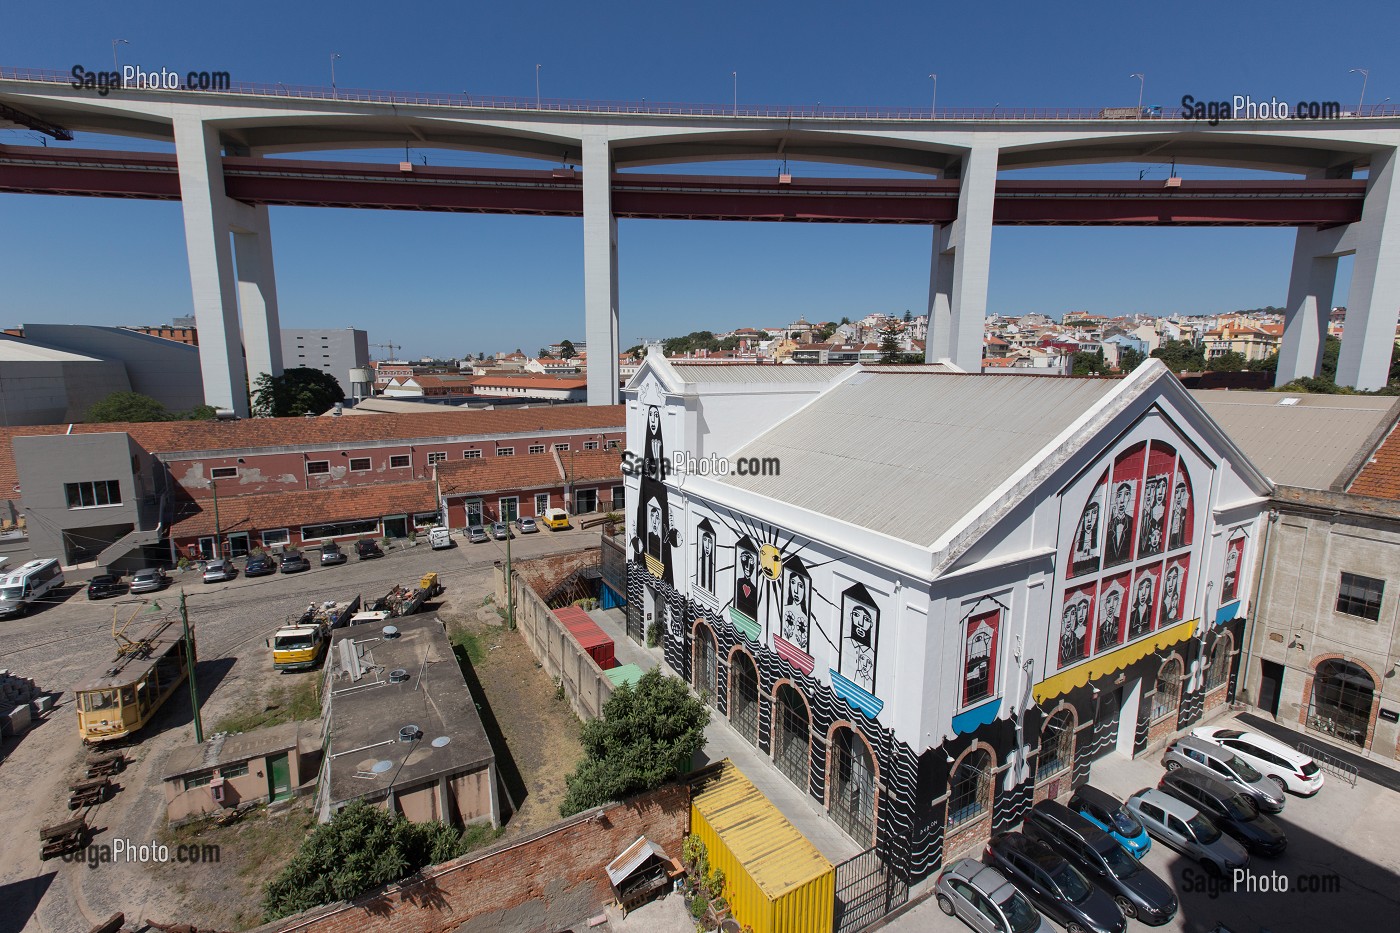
[633, 858]
[909, 455]
[1299, 439]
[767, 372]
[778, 857]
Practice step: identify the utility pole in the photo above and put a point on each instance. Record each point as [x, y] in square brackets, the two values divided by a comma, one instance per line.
[218, 542]
[189, 667]
[510, 583]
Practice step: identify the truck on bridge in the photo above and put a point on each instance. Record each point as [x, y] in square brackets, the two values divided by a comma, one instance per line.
[300, 645]
[399, 601]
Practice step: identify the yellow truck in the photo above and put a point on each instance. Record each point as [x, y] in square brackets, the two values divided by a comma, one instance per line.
[301, 645]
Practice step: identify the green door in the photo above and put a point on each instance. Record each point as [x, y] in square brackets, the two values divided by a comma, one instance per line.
[279, 777]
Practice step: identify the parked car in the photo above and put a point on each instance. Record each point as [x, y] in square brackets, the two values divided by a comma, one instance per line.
[1055, 887]
[216, 571]
[331, 554]
[528, 526]
[294, 562]
[1138, 892]
[1186, 830]
[501, 531]
[477, 534]
[259, 565]
[149, 581]
[440, 537]
[556, 519]
[104, 585]
[1224, 765]
[367, 549]
[1232, 811]
[1108, 813]
[982, 898]
[1285, 767]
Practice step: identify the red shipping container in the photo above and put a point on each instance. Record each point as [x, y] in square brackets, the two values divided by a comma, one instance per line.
[589, 636]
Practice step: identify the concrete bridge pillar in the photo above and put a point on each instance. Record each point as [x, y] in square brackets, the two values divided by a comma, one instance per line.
[1373, 303]
[257, 293]
[600, 271]
[961, 265]
[206, 212]
[1309, 307]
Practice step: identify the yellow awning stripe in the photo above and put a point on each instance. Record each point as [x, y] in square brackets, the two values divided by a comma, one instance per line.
[1118, 660]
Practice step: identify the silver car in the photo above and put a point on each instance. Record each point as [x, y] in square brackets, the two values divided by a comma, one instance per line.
[1224, 765]
[217, 571]
[981, 897]
[477, 534]
[148, 581]
[1187, 830]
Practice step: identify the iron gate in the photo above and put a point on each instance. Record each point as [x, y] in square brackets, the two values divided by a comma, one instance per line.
[867, 890]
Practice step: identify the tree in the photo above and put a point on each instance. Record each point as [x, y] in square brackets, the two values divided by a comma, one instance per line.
[1130, 360]
[361, 848]
[823, 333]
[128, 406]
[545, 354]
[908, 316]
[298, 391]
[1227, 362]
[1085, 363]
[1268, 364]
[648, 735]
[1181, 356]
[567, 351]
[889, 344]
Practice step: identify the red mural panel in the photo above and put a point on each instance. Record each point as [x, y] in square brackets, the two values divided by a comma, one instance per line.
[1181, 517]
[979, 656]
[1124, 493]
[1143, 601]
[1174, 591]
[1234, 566]
[1076, 625]
[1115, 599]
[1156, 490]
[1087, 548]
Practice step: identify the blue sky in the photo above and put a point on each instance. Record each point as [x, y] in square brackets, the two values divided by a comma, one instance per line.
[452, 284]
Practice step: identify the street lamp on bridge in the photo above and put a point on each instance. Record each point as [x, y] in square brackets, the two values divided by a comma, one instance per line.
[1142, 83]
[933, 108]
[1365, 76]
[537, 87]
[115, 43]
[334, 56]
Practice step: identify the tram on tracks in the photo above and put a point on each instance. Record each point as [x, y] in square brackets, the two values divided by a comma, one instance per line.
[122, 695]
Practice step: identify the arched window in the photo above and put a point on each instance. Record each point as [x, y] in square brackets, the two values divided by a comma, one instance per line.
[1218, 666]
[743, 695]
[852, 785]
[706, 664]
[1168, 690]
[1341, 701]
[792, 735]
[970, 788]
[1056, 745]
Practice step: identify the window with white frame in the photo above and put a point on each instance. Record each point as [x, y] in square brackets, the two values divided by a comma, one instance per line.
[561, 447]
[359, 464]
[541, 503]
[399, 461]
[223, 473]
[536, 448]
[612, 445]
[437, 456]
[505, 451]
[590, 445]
[275, 536]
[472, 454]
[317, 467]
[95, 493]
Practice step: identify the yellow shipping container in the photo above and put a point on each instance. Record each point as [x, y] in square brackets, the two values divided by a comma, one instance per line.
[775, 879]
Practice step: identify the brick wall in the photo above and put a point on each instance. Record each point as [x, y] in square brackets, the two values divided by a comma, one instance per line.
[554, 646]
[550, 881]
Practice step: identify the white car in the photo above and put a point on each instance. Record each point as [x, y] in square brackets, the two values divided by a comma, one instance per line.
[1287, 768]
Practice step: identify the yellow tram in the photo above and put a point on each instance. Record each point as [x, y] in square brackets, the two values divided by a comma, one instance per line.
[125, 693]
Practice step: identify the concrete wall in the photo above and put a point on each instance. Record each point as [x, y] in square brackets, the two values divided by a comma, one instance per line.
[165, 370]
[584, 682]
[182, 805]
[552, 880]
[46, 463]
[54, 392]
[331, 351]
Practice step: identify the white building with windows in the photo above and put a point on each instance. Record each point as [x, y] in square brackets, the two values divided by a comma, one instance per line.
[933, 597]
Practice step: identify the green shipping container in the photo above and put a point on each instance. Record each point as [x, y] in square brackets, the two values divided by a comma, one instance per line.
[775, 879]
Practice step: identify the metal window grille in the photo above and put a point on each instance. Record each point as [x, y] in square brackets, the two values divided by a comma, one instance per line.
[792, 738]
[707, 668]
[852, 786]
[1360, 596]
[970, 789]
[743, 699]
[1056, 745]
[1341, 701]
[1218, 670]
[1168, 691]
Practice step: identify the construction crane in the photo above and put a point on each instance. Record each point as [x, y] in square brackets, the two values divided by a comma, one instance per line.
[391, 347]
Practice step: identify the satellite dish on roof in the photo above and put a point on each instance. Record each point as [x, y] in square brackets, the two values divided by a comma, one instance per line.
[441, 740]
[379, 767]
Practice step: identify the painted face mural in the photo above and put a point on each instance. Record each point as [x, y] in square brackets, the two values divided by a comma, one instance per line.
[797, 607]
[654, 534]
[1088, 535]
[1144, 591]
[705, 557]
[860, 638]
[1230, 582]
[1118, 545]
[1171, 595]
[1179, 527]
[979, 657]
[1152, 525]
[1110, 631]
[1074, 627]
[746, 579]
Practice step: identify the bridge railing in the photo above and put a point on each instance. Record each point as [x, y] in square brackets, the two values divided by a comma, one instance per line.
[670, 109]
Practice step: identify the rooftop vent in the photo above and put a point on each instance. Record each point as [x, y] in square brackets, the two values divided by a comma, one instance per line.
[398, 675]
[410, 734]
[390, 631]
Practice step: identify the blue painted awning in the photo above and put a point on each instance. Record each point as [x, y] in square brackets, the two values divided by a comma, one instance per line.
[973, 719]
[857, 696]
[1227, 612]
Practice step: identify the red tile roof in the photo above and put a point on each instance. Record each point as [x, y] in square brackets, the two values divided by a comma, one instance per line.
[593, 465]
[1380, 478]
[491, 474]
[532, 381]
[171, 436]
[304, 507]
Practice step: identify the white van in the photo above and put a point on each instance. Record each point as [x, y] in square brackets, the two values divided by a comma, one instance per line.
[28, 583]
[440, 536]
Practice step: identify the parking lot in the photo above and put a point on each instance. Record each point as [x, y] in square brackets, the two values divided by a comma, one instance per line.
[1340, 869]
[69, 638]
